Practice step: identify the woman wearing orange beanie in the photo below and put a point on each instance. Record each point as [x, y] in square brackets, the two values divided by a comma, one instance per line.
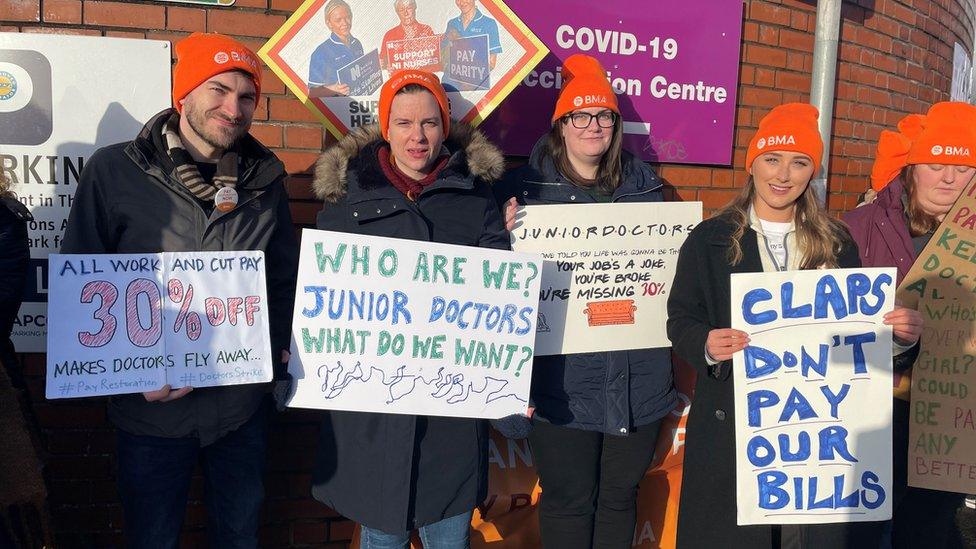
[597, 415]
[420, 176]
[919, 172]
[775, 224]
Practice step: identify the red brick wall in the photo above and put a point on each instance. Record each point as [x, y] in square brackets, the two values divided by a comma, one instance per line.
[895, 58]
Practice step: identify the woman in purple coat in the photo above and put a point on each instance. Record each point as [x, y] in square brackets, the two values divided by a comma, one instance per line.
[918, 174]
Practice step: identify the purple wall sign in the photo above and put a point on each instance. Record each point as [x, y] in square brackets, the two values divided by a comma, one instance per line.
[673, 63]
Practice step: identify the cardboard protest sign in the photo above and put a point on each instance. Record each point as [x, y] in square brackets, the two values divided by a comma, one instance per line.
[401, 326]
[489, 48]
[813, 396]
[942, 284]
[608, 272]
[131, 323]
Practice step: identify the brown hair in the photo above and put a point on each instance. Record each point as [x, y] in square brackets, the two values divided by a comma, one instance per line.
[919, 222]
[608, 173]
[5, 184]
[819, 236]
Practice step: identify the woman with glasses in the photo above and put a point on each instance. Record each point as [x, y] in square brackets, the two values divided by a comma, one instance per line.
[597, 415]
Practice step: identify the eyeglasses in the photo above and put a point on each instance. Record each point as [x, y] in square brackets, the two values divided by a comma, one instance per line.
[581, 120]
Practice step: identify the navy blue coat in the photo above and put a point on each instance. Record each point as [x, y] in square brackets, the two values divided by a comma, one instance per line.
[610, 392]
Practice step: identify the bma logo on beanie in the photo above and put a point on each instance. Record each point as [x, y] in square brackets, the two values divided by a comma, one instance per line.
[949, 150]
[221, 57]
[577, 101]
[775, 140]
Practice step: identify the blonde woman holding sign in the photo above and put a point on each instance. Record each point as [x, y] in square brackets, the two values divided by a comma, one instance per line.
[775, 224]
[919, 172]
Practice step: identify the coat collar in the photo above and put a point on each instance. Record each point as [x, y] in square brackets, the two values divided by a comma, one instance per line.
[259, 166]
[473, 157]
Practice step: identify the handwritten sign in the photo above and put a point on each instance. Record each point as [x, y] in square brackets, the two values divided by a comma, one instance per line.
[942, 284]
[467, 67]
[423, 52]
[813, 396]
[131, 323]
[608, 272]
[362, 75]
[400, 326]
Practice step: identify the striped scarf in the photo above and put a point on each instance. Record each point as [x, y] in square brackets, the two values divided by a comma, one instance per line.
[186, 169]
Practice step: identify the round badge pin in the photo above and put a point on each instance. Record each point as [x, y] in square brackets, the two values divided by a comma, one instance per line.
[226, 198]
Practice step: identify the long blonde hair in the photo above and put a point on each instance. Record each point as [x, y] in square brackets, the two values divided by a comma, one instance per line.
[819, 236]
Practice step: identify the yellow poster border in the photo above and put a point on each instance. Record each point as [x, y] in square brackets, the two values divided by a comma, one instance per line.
[476, 116]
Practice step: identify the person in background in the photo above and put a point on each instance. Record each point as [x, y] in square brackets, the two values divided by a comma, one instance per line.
[597, 415]
[408, 29]
[194, 180]
[14, 257]
[24, 519]
[774, 224]
[470, 22]
[337, 51]
[918, 174]
[421, 176]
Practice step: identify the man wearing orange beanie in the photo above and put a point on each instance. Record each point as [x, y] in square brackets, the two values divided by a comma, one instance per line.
[194, 179]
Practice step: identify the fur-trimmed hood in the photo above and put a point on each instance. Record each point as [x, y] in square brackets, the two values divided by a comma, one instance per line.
[483, 160]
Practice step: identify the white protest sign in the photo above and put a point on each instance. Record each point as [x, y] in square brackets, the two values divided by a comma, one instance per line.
[401, 326]
[607, 274]
[813, 396]
[131, 323]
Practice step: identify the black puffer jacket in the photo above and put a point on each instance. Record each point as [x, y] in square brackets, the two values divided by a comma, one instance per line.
[400, 472]
[129, 200]
[610, 392]
[14, 255]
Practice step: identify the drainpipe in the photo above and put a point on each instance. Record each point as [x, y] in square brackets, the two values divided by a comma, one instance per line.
[822, 82]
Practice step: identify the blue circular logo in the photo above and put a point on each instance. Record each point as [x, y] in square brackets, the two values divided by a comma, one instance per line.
[8, 86]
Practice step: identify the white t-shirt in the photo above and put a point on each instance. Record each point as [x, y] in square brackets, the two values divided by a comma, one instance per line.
[776, 240]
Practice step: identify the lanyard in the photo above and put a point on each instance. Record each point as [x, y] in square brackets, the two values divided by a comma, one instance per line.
[772, 256]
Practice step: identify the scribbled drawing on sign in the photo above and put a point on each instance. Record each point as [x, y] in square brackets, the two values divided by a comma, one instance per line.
[610, 313]
[450, 388]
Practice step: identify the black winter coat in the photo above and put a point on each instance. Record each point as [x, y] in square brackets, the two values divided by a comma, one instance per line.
[129, 200]
[610, 392]
[396, 472]
[700, 301]
[14, 256]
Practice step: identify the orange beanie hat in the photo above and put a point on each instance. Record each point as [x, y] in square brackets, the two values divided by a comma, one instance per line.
[585, 85]
[893, 148]
[404, 77]
[203, 55]
[948, 136]
[791, 127]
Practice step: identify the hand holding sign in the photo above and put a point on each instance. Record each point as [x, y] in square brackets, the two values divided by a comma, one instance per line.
[906, 325]
[722, 343]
